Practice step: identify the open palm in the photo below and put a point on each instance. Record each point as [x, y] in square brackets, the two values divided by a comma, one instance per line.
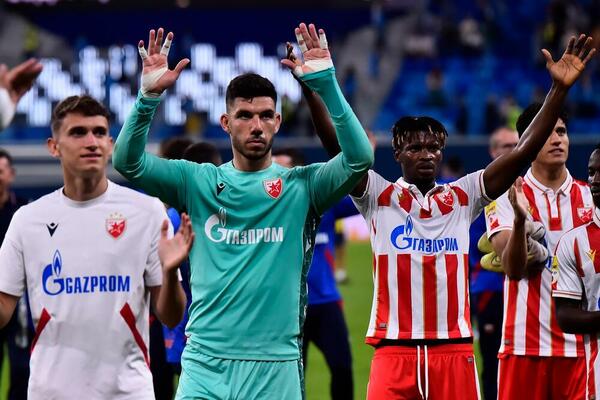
[315, 51]
[565, 71]
[172, 252]
[156, 75]
[517, 199]
[18, 80]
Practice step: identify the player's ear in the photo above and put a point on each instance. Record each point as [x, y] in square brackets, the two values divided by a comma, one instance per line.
[277, 122]
[224, 120]
[52, 147]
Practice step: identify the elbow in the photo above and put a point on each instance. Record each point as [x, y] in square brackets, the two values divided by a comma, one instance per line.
[363, 163]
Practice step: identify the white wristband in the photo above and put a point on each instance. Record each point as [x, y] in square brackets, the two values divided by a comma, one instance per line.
[7, 109]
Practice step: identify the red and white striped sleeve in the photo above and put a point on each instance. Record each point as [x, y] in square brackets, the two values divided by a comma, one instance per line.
[499, 215]
[376, 185]
[470, 191]
[567, 263]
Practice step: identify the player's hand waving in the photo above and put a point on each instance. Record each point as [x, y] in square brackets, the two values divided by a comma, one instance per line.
[156, 75]
[18, 80]
[315, 51]
[567, 70]
[172, 252]
[517, 199]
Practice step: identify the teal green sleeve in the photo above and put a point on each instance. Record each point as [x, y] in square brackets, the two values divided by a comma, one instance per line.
[336, 178]
[158, 177]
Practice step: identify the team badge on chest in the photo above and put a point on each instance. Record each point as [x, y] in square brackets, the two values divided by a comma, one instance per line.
[447, 198]
[115, 225]
[273, 187]
[584, 214]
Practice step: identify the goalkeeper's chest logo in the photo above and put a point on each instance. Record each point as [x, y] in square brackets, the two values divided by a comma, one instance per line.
[273, 187]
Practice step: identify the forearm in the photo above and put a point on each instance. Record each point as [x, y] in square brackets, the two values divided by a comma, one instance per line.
[502, 172]
[321, 121]
[156, 176]
[7, 308]
[573, 319]
[170, 305]
[352, 138]
[514, 256]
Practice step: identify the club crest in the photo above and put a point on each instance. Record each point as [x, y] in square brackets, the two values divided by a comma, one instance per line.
[584, 214]
[447, 198]
[115, 225]
[273, 187]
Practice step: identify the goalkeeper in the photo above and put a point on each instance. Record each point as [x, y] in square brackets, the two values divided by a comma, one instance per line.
[256, 223]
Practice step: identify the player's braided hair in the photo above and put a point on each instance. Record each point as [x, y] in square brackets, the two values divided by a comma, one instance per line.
[406, 127]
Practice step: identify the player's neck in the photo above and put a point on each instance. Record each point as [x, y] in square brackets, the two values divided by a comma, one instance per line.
[83, 189]
[550, 176]
[242, 163]
[4, 196]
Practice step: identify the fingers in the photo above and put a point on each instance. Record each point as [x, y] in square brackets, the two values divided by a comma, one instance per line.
[579, 43]
[288, 63]
[548, 57]
[164, 229]
[589, 56]
[167, 45]
[314, 37]
[290, 52]
[306, 36]
[300, 40]
[323, 40]
[151, 40]
[569, 49]
[159, 38]
[181, 65]
[142, 50]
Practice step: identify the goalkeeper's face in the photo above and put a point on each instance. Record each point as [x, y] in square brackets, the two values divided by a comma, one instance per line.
[83, 145]
[252, 123]
[594, 176]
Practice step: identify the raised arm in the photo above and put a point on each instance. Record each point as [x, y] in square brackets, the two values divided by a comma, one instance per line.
[14, 83]
[158, 177]
[502, 172]
[340, 174]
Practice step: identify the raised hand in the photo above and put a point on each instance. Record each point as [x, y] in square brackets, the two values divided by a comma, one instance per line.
[517, 199]
[172, 252]
[18, 80]
[156, 75]
[578, 53]
[314, 49]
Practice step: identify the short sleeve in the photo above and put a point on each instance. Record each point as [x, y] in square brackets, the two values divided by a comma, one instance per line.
[367, 203]
[568, 281]
[153, 271]
[470, 189]
[12, 263]
[499, 215]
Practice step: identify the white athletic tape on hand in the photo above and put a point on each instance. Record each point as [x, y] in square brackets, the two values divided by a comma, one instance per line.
[143, 52]
[149, 80]
[7, 109]
[166, 46]
[314, 65]
[301, 42]
[323, 41]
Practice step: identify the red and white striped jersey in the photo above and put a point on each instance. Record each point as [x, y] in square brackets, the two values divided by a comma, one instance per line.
[420, 246]
[577, 259]
[529, 324]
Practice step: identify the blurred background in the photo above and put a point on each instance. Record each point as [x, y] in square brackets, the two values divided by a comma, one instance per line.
[472, 64]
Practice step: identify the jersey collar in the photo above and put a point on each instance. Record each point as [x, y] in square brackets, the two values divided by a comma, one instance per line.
[414, 190]
[564, 189]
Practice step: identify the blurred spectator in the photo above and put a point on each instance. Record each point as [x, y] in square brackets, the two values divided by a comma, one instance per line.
[435, 88]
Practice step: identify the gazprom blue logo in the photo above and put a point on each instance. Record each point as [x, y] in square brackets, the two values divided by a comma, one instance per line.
[402, 239]
[53, 284]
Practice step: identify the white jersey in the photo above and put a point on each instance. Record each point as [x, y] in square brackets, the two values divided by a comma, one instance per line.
[86, 267]
[420, 246]
[529, 324]
[578, 261]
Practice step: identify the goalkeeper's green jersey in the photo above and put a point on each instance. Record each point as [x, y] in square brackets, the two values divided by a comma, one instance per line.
[254, 230]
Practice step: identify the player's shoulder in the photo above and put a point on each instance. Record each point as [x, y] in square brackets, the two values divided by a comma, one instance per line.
[41, 206]
[581, 184]
[581, 231]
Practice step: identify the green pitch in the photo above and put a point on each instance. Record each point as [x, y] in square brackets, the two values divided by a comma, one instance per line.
[357, 307]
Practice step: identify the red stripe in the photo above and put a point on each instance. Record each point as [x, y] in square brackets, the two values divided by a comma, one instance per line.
[451, 273]
[511, 314]
[467, 310]
[444, 208]
[329, 258]
[591, 370]
[578, 264]
[404, 296]
[429, 297]
[385, 198]
[405, 199]
[532, 322]
[576, 204]
[535, 212]
[463, 198]
[129, 318]
[424, 214]
[594, 239]
[42, 322]
[557, 339]
[383, 297]
[555, 224]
